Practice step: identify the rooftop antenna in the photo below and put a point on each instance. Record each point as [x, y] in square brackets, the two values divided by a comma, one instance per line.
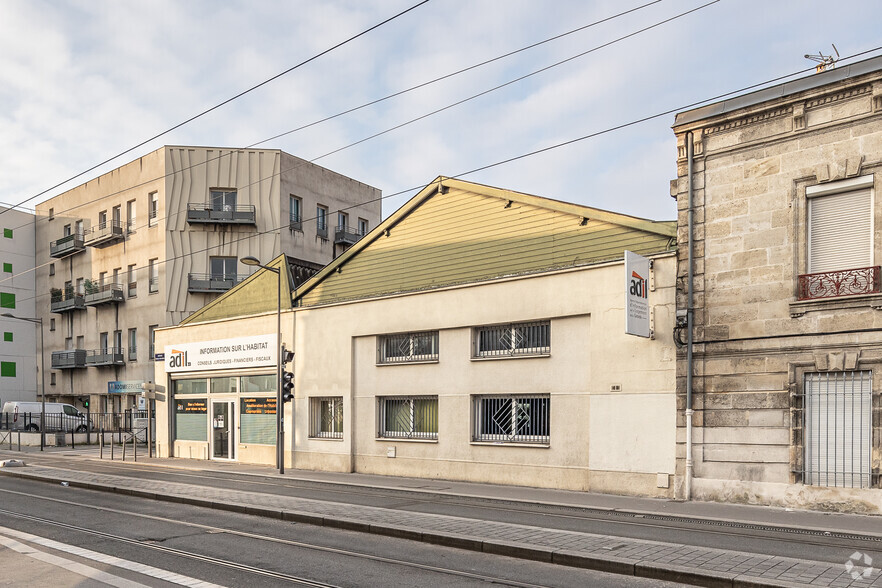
[824, 61]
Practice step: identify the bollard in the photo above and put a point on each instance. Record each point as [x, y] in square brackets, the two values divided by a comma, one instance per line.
[101, 443]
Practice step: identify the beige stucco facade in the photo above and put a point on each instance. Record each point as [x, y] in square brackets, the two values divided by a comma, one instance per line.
[162, 256]
[759, 160]
[611, 394]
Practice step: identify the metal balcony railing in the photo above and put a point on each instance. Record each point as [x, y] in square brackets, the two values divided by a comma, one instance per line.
[68, 245]
[321, 228]
[67, 300]
[345, 235]
[133, 289]
[153, 285]
[213, 282]
[105, 233]
[221, 214]
[109, 356]
[295, 223]
[865, 280]
[98, 292]
[65, 360]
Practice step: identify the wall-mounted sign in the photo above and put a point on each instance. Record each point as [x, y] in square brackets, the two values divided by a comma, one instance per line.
[258, 406]
[124, 387]
[159, 357]
[636, 295]
[191, 406]
[223, 354]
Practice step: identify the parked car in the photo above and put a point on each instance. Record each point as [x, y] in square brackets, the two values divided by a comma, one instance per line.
[27, 416]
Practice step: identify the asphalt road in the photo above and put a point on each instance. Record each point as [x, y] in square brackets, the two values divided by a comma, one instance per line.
[152, 538]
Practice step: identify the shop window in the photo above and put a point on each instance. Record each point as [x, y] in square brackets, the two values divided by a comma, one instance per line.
[257, 419]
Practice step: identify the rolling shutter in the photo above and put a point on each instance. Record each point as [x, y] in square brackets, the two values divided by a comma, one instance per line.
[840, 231]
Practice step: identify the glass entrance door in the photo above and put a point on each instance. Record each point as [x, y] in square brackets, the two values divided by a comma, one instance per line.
[223, 440]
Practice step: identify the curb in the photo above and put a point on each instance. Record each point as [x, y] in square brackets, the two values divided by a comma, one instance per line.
[611, 564]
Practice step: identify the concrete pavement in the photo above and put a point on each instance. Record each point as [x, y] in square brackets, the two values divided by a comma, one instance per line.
[653, 559]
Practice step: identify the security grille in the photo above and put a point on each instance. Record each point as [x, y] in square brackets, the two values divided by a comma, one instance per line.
[838, 406]
[408, 347]
[515, 339]
[512, 419]
[408, 417]
[326, 417]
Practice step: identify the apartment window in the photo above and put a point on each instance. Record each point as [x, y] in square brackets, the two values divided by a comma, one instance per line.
[839, 240]
[103, 341]
[51, 269]
[511, 419]
[321, 221]
[7, 369]
[342, 220]
[838, 426]
[51, 214]
[118, 341]
[116, 214]
[102, 219]
[223, 268]
[132, 280]
[52, 324]
[295, 212]
[7, 300]
[153, 214]
[133, 344]
[151, 335]
[222, 199]
[513, 340]
[407, 347]
[66, 230]
[362, 227]
[407, 417]
[79, 228]
[7, 267]
[52, 378]
[7, 233]
[131, 215]
[326, 418]
[154, 276]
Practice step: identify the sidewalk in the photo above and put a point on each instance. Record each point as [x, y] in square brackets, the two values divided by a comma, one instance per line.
[653, 559]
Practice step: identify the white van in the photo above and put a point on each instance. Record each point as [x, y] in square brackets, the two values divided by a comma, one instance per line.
[26, 416]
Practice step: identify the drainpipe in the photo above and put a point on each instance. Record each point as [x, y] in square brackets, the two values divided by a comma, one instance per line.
[689, 322]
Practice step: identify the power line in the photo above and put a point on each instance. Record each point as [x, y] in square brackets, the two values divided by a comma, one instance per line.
[225, 102]
[393, 95]
[505, 161]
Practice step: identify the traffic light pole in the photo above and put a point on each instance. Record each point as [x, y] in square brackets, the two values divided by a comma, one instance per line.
[280, 406]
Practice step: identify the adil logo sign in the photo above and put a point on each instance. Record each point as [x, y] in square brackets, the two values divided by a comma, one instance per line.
[178, 359]
[637, 295]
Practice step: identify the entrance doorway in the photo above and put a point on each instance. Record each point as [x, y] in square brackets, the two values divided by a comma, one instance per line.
[223, 438]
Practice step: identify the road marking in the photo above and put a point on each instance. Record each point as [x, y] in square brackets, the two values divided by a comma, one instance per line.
[90, 572]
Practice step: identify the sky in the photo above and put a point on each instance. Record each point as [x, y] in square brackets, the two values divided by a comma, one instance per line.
[81, 81]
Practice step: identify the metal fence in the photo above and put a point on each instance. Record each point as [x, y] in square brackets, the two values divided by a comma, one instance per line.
[838, 425]
[109, 422]
[512, 419]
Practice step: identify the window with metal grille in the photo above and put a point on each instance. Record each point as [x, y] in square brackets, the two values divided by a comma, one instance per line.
[326, 417]
[407, 417]
[512, 340]
[408, 347]
[837, 422]
[512, 419]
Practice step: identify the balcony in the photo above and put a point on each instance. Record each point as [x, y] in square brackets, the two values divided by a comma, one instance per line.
[102, 357]
[66, 360]
[345, 235]
[212, 283]
[226, 214]
[865, 280]
[105, 234]
[68, 245]
[67, 300]
[295, 223]
[98, 293]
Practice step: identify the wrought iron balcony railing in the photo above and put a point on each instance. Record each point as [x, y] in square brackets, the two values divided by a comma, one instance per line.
[865, 280]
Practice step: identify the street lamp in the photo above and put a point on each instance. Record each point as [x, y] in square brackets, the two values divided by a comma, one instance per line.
[38, 321]
[280, 406]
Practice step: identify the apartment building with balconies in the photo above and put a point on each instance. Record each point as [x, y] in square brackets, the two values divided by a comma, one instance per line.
[145, 245]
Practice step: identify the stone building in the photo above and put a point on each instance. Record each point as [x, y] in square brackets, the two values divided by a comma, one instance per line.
[786, 241]
[147, 244]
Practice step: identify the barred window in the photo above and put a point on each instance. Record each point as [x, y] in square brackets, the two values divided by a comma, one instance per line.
[512, 419]
[408, 417]
[512, 340]
[407, 347]
[326, 417]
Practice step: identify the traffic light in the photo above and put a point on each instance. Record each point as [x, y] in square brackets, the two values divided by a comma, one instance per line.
[287, 386]
[287, 356]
